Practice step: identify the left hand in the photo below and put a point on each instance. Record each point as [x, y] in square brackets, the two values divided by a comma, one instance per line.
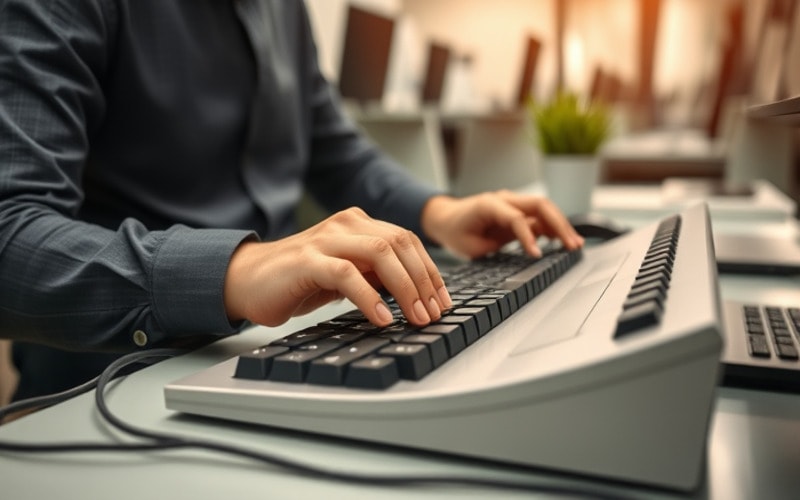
[480, 224]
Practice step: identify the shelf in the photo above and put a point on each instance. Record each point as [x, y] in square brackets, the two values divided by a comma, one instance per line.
[786, 111]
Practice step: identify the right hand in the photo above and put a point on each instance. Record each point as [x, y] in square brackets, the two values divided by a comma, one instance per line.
[347, 255]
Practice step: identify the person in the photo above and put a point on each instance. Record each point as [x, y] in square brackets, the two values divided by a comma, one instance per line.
[151, 155]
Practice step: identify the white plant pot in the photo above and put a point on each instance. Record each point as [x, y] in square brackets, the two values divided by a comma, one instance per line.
[570, 180]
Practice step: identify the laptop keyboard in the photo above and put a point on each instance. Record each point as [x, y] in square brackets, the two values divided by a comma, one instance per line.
[772, 331]
[350, 351]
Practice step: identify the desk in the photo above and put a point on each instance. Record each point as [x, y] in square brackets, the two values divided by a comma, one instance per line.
[753, 452]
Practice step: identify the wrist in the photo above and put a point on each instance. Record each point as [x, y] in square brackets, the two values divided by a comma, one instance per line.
[240, 266]
[433, 213]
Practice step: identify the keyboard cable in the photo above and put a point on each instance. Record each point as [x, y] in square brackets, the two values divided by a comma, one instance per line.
[157, 441]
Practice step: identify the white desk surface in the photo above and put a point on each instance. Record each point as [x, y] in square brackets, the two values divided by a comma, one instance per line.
[753, 448]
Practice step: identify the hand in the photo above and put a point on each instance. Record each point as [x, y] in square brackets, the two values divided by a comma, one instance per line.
[477, 225]
[347, 255]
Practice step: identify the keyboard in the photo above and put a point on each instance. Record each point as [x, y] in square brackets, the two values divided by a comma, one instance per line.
[350, 351]
[761, 349]
[578, 361]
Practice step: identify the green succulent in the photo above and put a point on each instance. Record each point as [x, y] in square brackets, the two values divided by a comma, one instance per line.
[566, 126]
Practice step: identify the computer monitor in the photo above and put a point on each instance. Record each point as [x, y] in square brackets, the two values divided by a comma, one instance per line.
[365, 55]
[435, 73]
[532, 47]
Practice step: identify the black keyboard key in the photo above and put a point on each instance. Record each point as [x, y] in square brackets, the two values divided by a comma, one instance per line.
[505, 300]
[780, 331]
[491, 306]
[331, 368]
[395, 333]
[452, 335]
[374, 372]
[757, 346]
[654, 265]
[640, 298]
[638, 317]
[413, 360]
[460, 297]
[256, 364]
[352, 315]
[468, 325]
[328, 370]
[518, 289]
[303, 336]
[292, 366]
[659, 279]
[654, 273]
[348, 336]
[481, 316]
[785, 351]
[436, 346]
[644, 288]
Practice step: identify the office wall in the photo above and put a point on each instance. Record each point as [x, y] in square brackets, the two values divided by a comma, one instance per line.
[600, 33]
[491, 32]
[597, 32]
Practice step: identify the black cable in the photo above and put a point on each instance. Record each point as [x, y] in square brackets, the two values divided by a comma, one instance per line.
[162, 441]
[48, 400]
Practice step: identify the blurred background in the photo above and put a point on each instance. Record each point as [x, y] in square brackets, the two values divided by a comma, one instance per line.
[675, 72]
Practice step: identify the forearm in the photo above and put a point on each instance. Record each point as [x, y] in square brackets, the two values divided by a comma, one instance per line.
[79, 286]
[346, 168]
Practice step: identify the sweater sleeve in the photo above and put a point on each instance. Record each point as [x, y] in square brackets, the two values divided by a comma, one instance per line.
[65, 282]
[346, 168]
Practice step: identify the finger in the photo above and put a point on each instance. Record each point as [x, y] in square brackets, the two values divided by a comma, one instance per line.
[554, 219]
[550, 217]
[342, 276]
[508, 216]
[376, 255]
[431, 289]
[439, 285]
[423, 270]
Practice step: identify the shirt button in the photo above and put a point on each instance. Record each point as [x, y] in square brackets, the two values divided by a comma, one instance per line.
[140, 338]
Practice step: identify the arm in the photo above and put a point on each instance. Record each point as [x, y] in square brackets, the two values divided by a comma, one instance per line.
[66, 282]
[346, 168]
[350, 254]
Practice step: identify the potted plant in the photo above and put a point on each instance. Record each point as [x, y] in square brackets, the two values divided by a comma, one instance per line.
[569, 135]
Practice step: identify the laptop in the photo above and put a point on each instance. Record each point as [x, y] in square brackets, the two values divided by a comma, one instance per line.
[761, 347]
[753, 254]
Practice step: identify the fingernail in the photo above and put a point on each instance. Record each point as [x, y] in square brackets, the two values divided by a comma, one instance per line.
[444, 296]
[421, 313]
[434, 309]
[536, 252]
[384, 314]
